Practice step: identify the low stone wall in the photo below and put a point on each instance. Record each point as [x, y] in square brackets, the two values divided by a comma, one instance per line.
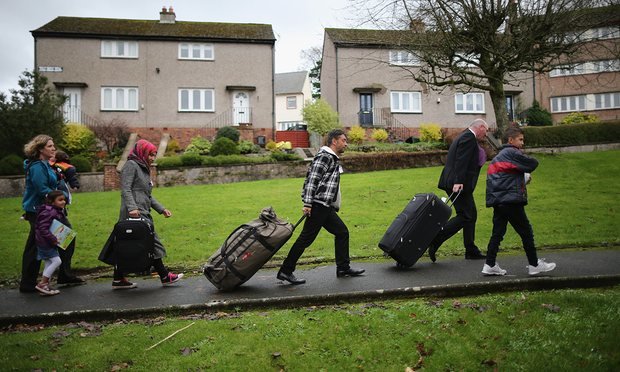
[11, 186]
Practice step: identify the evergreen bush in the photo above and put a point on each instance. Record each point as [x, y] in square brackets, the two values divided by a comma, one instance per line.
[284, 156]
[191, 159]
[199, 145]
[169, 162]
[11, 165]
[248, 147]
[82, 164]
[572, 134]
[579, 117]
[379, 135]
[224, 146]
[228, 132]
[538, 116]
[78, 139]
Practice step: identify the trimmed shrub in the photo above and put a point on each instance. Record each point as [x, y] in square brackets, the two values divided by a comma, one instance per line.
[169, 162]
[228, 132]
[11, 165]
[578, 118]
[173, 147]
[199, 145]
[538, 116]
[191, 159]
[379, 135]
[284, 156]
[77, 139]
[248, 147]
[430, 132]
[82, 164]
[271, 145]
[224, 146]
[572, 134]
[356, 135]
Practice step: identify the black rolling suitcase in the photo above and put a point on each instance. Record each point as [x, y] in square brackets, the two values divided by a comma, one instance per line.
[414, 228]
[247, 249]
[134, 245]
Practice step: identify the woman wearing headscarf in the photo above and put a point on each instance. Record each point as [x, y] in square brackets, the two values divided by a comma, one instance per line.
[136, 202]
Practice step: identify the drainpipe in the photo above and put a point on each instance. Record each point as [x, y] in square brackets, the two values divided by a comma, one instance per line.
[337, 83]
[273, 92]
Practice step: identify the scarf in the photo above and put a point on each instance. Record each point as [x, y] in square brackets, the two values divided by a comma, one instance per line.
[140, 153]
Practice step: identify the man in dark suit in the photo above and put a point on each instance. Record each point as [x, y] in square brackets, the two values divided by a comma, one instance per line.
[458, 179]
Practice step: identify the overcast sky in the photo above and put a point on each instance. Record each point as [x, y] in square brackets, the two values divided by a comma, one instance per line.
[297, 24]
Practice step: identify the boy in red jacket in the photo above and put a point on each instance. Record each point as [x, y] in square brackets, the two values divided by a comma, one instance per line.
[507, 176]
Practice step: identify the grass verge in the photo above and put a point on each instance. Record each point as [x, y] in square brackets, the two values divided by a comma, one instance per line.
[557, 330]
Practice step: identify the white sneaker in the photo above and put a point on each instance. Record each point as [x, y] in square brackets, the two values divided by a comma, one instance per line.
[495, 270]
[541, 268]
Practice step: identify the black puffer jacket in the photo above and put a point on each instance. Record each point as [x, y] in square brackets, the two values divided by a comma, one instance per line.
[506, 177]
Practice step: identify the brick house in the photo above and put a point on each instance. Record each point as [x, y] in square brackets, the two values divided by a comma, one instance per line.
[162, 76]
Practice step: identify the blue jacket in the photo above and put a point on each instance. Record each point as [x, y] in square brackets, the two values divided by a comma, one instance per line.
[506, 177]
[40, 180]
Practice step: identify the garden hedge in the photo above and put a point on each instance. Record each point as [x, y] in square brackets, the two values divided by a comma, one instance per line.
[572, 134]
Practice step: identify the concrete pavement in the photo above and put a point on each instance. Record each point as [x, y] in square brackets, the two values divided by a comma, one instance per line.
[447, 277]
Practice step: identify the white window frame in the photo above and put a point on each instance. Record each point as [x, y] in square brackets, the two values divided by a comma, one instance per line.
[466, 60]
[470, 103]
[569, 103]
[120, 98]
[196, 51]
[603, 33]
[403, 58]
[110, 49]
[607, 101]
[291, 102]
[593, 67]
[196, 95]
[406, 102]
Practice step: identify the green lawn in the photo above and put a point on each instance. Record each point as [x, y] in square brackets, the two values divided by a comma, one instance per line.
[563, 330]
[573, 201]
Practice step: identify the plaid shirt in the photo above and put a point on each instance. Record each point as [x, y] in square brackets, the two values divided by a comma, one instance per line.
[322, 180]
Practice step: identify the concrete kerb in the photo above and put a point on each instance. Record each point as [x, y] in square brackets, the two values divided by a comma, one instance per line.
[445, 291]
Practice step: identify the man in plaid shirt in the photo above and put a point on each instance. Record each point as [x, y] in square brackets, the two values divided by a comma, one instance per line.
[321, 198]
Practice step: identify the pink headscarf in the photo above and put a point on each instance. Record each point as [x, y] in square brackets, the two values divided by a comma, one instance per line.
[141, 151]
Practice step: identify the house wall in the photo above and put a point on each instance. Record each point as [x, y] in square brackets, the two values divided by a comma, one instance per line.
[592, 83]
[285, 114]
[234, 65]
[328, 73]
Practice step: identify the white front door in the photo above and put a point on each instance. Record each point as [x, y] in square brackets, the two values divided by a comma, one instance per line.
[241, 107]
[73, 105]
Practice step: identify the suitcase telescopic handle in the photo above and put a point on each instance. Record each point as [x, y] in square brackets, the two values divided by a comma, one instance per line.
[298, 222]
[456, 197]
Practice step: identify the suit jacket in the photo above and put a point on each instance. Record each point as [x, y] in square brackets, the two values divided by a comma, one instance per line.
[461, 164]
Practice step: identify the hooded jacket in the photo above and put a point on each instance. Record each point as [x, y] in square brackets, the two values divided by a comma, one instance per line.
[506, 177]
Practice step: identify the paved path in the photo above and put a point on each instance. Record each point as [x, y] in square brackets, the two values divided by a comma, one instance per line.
[447, 277]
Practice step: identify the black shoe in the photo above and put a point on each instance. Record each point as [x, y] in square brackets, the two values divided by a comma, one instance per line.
[349, 272]
[401, 266]
[476, 255]
[74, 280]
[291, 278]
[432, 249]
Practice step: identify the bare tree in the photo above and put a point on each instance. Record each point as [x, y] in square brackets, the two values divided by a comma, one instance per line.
[487, 44]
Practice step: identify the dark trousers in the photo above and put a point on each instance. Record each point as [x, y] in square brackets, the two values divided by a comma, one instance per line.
[158, 264]
[515, 215]
[321, 217]
[30, 264]
[466, 216]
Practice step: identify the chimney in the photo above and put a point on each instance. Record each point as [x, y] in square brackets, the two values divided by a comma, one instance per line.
[167, 15]
[417, 25]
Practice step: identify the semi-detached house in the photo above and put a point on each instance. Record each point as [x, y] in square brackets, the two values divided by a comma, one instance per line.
[162, 76]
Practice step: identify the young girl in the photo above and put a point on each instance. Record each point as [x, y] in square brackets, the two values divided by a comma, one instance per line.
[46, 242]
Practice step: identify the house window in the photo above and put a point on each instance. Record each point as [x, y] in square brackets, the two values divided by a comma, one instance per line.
[607, 100]
[119, 49]
[606, 66]
[196, 51]
[586, 68]
[403, 58]
[568, 103]
[406, 102]
[291, 102]
[196, 100]
[607, 33]
[469, 103]
[466, 60]
[119, 99]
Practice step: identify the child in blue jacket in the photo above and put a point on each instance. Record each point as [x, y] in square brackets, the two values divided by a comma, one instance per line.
[507, 176]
